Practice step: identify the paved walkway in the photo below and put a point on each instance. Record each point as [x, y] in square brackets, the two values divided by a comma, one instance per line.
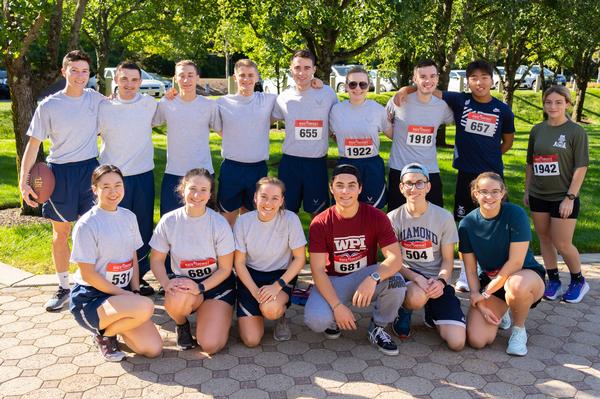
[46, 355]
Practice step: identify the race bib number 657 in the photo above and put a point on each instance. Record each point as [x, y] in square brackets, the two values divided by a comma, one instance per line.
[482, 124]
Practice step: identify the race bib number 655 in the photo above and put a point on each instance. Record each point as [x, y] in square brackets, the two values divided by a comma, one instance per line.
[120, 274]
[308, 129]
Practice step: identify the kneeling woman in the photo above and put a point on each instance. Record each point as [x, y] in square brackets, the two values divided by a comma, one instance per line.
[200, 243]
[270, 252]
[496, 235]
[105, 299]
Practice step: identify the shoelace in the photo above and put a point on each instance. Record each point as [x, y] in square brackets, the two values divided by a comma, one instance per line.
[60, 293]
[379, 332]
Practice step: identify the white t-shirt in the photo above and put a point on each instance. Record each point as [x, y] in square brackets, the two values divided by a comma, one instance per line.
[188, 130]
[268, 245]
[107, 240]
[306, 116]
[71, 124]
[357, 127]
[194, 243]
[126, 131]
[246, 122]
[415, 131]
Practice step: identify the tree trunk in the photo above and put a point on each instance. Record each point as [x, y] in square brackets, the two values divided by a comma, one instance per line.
[441, 133]
[102, 63]
[579, 99]
[404, 72]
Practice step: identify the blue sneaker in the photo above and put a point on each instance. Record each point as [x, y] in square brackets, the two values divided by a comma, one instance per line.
[401, 325]
[552, 291]
[517, 343]
[576, 291]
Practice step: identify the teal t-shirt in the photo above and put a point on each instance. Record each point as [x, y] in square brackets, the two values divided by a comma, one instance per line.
[489, 239]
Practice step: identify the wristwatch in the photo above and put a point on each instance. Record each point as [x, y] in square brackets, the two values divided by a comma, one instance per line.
[484, 293]
[201, 288]
[375, 276]
[571, 196]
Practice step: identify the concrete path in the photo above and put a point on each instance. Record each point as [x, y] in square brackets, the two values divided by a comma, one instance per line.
[47, 355]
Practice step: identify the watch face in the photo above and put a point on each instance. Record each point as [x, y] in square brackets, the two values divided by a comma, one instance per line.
[376, 276]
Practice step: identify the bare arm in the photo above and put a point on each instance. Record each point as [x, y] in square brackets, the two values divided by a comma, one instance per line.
[157, 265]
[92, 277]
[566, 206]
[516, 257]
[507, 142]
[225, 265]
[270, 292]
[528, 174]
[29, 157]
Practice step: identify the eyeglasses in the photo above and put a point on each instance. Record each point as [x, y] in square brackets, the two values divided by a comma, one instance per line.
[420, 185]
[363, 85]
[493, 193]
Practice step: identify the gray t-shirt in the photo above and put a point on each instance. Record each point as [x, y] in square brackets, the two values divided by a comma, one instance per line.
[126, 131]
[421, 239]
[268, 245]
[194, 243]
[107, 240]
[71, 124]
[306, 116]
[188, 130]
[246, 124]
[357, 127]
[415, 131]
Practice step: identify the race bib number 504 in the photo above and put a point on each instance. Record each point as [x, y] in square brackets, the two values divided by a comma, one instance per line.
[546, 165]
[417, 251]
[120, 273]
[198, 268]
[482, 124]
[308, 129]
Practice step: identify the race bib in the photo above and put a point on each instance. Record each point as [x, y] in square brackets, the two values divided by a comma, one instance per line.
[482, 124]
[198, 269]
[308, 129]
[359, 148]
[120, 274]
[349, 263]
[417, 251]
[421, 136]
[546, 165]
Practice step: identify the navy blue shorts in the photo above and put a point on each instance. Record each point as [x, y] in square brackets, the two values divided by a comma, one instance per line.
[237, 183]
[139, 199]
[224, 292]
[169, 197]
[72, 196]
[484, 280]
[396, 199]
[85, 301]
[246, 304]
[305, 182]
[372, 172]
[551, 207]
[445, 309]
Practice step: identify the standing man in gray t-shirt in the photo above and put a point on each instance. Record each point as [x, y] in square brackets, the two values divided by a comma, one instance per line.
[303, 166]
[416, 123]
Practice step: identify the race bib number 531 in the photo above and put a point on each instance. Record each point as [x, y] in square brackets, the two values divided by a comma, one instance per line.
[482, 124]
[546, 165]
[120, 273]
[198, 268]
[308, 129]
[417, 251]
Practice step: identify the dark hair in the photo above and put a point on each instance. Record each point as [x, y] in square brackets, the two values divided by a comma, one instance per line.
[128, 65]
[425, 63]
[488, 175]
[274, 181]
[304, 54]
[202, 173]
[187, 62]
[358, 69]
[480, 65]
[348, 170]
[104, 170]
[76, 55]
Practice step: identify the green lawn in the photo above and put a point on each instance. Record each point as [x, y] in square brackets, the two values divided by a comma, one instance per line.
[29, 246]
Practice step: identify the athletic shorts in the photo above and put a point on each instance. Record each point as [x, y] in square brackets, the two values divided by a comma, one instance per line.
[85, 301]
[246, 304]
[463, 203]
[372, 172]
[484, 280]
[169, 197]
[72, 196]
[396, 199]
[224, 291]
[237, 183]
[551, 207]
[305, 182]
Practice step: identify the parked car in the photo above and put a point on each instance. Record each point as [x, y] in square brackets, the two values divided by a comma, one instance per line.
[528, 81]
[560, 79]
[340, 72]
[497, 77]
[149, 85]
[454, 80]
[4, 91]
[385, 84]
[285, 81]
[166, 81]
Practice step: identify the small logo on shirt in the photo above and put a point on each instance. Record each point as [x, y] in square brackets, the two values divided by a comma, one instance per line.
[495, 110]
[467, 102]
[460, 211]
[561, 142]
[315, 201]
[319, 101]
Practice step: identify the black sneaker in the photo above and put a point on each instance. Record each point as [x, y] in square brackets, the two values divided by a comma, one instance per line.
[109, 348]
[161, 291]
[185, 340]
[60, 298]
[145, 288]
[332, 333]
[383, 340]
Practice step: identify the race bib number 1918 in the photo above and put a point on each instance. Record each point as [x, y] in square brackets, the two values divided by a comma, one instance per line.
[421, 136]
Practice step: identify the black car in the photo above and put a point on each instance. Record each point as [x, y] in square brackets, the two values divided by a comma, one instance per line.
[4, 92]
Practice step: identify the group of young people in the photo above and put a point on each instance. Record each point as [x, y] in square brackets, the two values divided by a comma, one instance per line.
[244, 251]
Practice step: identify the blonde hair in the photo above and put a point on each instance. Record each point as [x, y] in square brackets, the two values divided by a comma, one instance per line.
[274, 181]
[488, 175]
[185, 63]
[245, 62]
[560, 90]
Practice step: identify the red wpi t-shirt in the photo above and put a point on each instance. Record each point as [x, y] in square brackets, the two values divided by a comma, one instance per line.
[350, 243]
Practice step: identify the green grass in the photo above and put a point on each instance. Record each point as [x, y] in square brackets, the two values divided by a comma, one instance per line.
[29, 246]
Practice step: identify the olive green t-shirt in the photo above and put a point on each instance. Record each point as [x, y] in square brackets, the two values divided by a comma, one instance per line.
[555, 152]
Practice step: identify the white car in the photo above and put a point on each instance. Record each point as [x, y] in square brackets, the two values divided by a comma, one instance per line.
[285, 81]
[149, 85]
[385, 84]
[454, 80]
[532, 74]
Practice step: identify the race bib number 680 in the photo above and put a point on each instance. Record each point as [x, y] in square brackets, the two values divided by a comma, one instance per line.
[197, 269]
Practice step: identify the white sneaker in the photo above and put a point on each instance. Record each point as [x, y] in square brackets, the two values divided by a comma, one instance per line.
[461, 283]
[517, 343]
[505, 322]
[282, 331]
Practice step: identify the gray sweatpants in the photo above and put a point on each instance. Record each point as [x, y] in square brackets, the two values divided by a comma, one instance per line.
[388, 297]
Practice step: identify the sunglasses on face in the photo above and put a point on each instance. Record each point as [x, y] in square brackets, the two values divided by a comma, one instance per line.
[363, 85]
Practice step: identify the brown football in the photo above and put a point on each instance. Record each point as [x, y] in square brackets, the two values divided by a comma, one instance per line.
[41, 180]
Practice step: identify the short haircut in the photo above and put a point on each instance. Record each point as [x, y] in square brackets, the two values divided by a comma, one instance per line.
[245, 62]
[346, 169]
[304, 54]
[129, 65]
[187, 62]
[480, 65]
[76, 55]
[488, 175]
[358, 69]
[425, 63]
[104, 170]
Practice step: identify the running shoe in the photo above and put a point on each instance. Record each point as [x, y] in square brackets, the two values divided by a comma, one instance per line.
[552, 291]
[576, 291]
[145, 288]
[383, 340]
[282, 331]
[60, 298]
[185, 340]
[462, 284]
[333, 332]
[109, 348]
[505, 322]
[517, 343]
[401, 325]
